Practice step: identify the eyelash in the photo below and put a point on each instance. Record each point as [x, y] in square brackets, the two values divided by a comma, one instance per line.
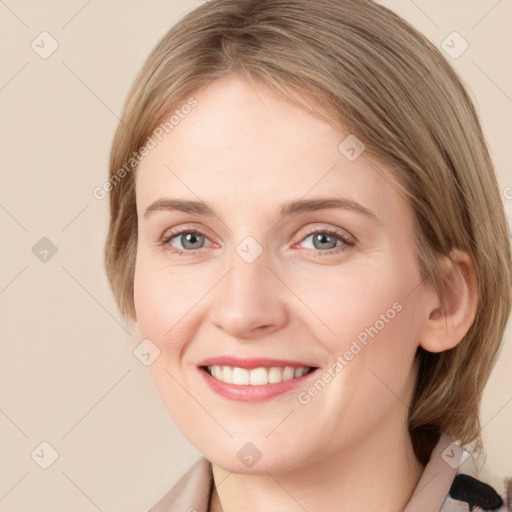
[348, 242]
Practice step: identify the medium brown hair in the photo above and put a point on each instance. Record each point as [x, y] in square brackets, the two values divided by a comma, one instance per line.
[380, 79]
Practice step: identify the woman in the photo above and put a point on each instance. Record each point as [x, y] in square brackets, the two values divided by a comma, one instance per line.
[343, 377]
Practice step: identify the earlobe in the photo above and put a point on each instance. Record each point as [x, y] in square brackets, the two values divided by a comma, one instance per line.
[449, 317]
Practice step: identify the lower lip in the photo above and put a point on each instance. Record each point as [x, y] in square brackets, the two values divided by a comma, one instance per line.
[248, 393]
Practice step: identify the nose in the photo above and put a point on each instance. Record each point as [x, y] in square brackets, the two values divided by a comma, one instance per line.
[250, 302]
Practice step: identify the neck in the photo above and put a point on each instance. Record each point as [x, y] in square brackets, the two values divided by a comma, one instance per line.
[378, 473]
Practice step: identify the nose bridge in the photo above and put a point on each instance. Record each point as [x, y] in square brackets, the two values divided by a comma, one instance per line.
[249, 258]
[247, 281]
[249, 298]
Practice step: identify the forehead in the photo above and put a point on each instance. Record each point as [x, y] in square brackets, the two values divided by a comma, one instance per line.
[249, 148]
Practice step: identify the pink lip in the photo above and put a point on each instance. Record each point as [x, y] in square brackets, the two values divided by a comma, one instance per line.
[248, 393]
[250, 363]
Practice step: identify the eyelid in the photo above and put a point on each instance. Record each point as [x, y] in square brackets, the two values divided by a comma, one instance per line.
[189, 228]
[321, 227]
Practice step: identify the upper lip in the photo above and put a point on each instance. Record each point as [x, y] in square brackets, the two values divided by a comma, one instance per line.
[250, 363]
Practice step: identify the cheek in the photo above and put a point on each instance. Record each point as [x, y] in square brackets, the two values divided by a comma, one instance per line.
[155, 305]
[171, 302]
[163, 297]
[374, 315]
[162, 303]
[364, 302]
[375, 365]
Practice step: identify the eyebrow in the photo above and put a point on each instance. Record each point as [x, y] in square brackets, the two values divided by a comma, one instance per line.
[286, 209]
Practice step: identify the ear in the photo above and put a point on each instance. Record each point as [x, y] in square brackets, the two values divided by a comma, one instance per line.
[449, 317]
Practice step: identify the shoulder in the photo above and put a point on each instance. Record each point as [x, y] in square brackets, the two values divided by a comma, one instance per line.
[454, 481]
[478, 488]
[192, 491]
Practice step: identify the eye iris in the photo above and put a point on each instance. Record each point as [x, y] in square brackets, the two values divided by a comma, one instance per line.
[321, 237]
[190, 238]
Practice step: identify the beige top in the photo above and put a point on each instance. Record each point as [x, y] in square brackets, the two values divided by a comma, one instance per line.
[192, 493]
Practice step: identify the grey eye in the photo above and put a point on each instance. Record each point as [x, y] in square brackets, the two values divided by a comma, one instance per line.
[189, 240]
[323, 240]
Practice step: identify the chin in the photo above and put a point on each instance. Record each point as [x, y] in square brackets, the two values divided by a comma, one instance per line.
[248, 459]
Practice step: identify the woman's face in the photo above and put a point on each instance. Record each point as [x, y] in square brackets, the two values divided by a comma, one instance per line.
[337, 289]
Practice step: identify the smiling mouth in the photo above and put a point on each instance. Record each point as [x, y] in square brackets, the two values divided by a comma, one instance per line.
[256, 376]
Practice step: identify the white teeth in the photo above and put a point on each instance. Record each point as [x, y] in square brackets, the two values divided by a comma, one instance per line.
[240, 376]
[275, 375]
[216, 372]
[259, 376]
[299, 372]
[288, 373]
[256, 376]
[227, 374]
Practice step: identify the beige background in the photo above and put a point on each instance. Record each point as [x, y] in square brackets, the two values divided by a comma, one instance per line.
[67, 372]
